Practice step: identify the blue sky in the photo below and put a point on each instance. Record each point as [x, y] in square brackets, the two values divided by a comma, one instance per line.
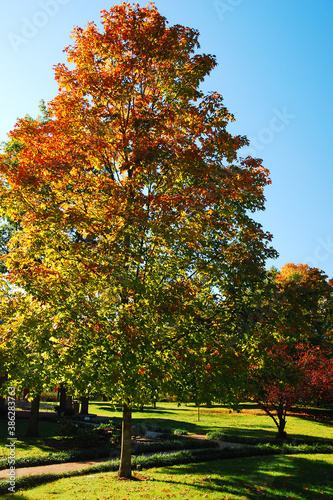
[275, 73]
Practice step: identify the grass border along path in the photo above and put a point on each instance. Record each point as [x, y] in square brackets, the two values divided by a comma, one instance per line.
[178, 458]
[275, 477]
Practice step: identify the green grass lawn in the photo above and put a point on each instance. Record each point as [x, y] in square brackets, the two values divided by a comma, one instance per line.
[28, 447]
[276, 477]
[248, 423]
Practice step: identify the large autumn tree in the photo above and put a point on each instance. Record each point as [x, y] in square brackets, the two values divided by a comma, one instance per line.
[134, 208]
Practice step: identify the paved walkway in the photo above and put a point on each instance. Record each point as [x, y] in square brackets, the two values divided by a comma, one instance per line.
[51, 469]
[70, 466]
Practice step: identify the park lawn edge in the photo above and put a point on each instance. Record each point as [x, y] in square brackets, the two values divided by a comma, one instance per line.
[92, 453]
[210, 443]
[163, 460]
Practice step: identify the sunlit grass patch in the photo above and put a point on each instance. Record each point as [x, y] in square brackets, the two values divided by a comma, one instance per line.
[24, 446]
[276, 477]
[250, 422]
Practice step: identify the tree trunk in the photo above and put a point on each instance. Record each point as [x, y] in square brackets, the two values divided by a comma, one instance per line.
[281, 432]
[125, 469]
[282, 422]
[62, 399]
[3, 379]
[32, 430]
[84, 405]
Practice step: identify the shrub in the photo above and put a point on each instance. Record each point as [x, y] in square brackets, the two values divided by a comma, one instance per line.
[104, 430]
[110, 431]
[217, 436]
[86, 437]
[108, 426]
[68, 412]
[49, 396]
[220, 436]
[67, 427]
[139, 429]
[157, 428]
[173, 445]
[180, 432]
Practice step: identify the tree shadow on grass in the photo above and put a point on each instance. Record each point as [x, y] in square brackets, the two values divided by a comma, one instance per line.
[49, 441]
[46, 428]
[318, 419]
[168, 423]
[324, 415]
[265, 477]
[118, 409]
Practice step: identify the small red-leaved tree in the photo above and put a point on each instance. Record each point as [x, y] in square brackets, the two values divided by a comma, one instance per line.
[289, 376]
